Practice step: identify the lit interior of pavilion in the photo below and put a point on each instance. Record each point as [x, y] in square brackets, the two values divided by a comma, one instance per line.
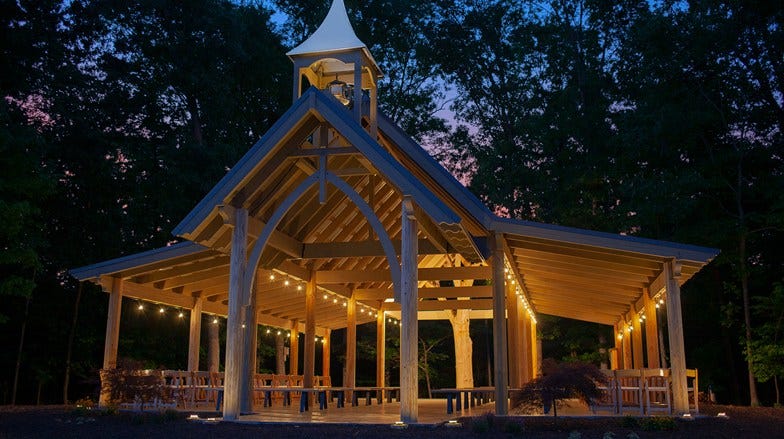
[337, 218]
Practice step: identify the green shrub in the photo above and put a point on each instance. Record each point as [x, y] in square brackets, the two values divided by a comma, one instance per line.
[630, 422]
[658, 423]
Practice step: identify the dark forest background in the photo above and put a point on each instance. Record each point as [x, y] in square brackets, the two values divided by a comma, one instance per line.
[660, 119]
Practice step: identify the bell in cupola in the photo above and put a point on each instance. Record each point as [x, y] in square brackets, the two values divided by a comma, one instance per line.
[341, 91]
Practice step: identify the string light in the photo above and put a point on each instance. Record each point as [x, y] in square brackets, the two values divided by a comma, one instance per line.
[161, 311]
[278, 332]
[141, 307]
[215, 321]
[325, 297]
[269, 330]
[299, 287]
[334, 300]
[286, 282]
[181, 314]
[272, 276]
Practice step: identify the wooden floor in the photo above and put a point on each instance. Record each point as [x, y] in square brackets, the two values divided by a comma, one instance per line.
[431, 411]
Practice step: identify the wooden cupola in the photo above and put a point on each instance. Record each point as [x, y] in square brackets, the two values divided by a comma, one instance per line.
[333, 59]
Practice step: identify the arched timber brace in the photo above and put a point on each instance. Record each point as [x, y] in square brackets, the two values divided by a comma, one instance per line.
[359, 202]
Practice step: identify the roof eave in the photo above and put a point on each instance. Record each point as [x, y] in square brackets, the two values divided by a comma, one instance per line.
[702, 255]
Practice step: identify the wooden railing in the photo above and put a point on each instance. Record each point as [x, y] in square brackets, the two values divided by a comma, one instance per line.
[644, 391]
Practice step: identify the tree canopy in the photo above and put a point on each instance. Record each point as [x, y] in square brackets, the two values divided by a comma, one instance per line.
[654, 119]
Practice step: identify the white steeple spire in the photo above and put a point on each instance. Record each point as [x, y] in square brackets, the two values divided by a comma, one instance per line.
[334, 34]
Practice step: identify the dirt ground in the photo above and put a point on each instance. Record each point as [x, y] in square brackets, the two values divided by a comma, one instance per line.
[65, 422]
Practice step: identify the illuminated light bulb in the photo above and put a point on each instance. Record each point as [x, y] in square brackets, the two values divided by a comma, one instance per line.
[141, 307]
[362, 310]
[325, 297]
[243, 326]
[288, 335]
[272, 276]
[299, 287]
[644, 317]
[278, 332]
[661, 301]
[640, 319]
[389, 320]
[316, 339]
[620, 336]
[334, 300]
[161, 310]
[657, 306]
[181, 314]
[345, 304]
[269, 330]
[215, 321]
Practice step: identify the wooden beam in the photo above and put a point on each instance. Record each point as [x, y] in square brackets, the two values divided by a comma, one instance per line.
[651, 332]
[181, 270]
[359, 249]
[587, 252]
[381, 326]
[351, 342]
[315, 152]
[279, 240]
[477, 292]
[441, 273]
[613, 264]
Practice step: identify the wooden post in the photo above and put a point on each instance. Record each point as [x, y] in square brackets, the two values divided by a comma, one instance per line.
[627, 346]
[325, 347]
[536, 361]
[280, 354]
[651, 331]
[616, 357]
[680, 396]
[500, 375]
[294, 349]
[310, 332]
[213, 347]
[637, 342]
[409, 330]
[249, 369]
[513, 340]
[194, 336]
[381, 339]
[113, 324]
[235, 335]
[358, 89]
[112, 338]
[525, 344]
[351, 342]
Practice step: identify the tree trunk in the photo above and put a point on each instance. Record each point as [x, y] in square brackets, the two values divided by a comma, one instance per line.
[213, 347]
[71, 336]
[461, 321]
[744, 283]
[21, 347]
[778, 393]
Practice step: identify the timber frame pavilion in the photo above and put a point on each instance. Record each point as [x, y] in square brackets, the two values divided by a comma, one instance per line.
[337, 200]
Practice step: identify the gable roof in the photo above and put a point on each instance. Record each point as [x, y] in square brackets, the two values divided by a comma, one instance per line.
[336, 115]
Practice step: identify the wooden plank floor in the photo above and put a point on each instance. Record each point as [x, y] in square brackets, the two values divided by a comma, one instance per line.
[431, 411]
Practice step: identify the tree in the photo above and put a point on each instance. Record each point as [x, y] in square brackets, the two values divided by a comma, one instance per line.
[559, 382]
